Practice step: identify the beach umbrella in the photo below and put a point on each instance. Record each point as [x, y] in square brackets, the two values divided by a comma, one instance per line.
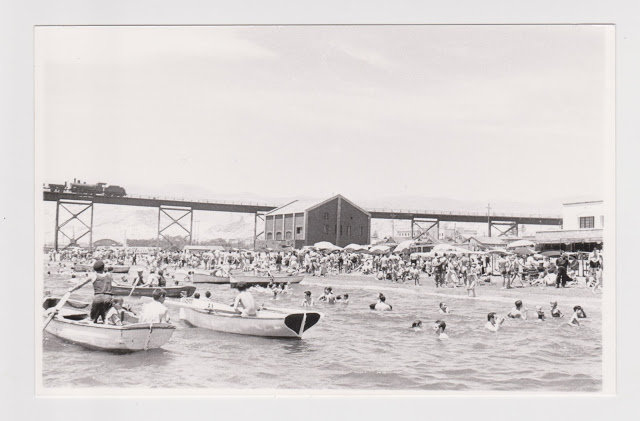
[521, 243]
[379, 249]
[523, 251]
[551, 253]
[355, 247]
[500, 252]
[324, 245]
[405, 245]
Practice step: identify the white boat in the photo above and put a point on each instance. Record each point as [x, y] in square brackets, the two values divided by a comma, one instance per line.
[269, 322]
[250, 280]
[74, 326]
[208, 277]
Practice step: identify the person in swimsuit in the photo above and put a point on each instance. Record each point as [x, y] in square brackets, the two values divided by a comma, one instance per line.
[307, 301]
[244, 302]
[540, 313]
[574, 317]
[444, 309]
[492, 324]
[555, 311]
[518, 312]
[417, 325]
[580, 312]
[381, 305]
[439, 328]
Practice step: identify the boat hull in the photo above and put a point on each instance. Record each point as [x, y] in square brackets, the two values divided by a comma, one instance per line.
[267, 326]
[263, 280]
[121, 339]
[83, 267]
[120, 269]
[206, 278]
[173, 292]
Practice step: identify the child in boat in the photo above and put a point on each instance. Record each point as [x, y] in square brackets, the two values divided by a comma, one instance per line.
[555, 311]
[439, 328]
[307, 301]
[444, 309]
[113, 316]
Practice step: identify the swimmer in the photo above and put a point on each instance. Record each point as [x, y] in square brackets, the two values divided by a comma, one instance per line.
[345, 299]
[439, 328]
[381, 305]
[307, 301]
[555, 311]
[574, 317]
[518, 312]
[417, 325]
[207, 295]
[196, 296]
[491, 324]
[540, 313]
[580, 312]
[444, 309]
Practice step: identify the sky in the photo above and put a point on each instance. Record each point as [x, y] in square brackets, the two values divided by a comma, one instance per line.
[479, 113]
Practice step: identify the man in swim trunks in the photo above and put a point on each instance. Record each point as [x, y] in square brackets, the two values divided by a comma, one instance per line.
[381, 305]
[444, 309]
[439, 328]
[491, 323]
[244, 302]
[518, 312]
[555, 311]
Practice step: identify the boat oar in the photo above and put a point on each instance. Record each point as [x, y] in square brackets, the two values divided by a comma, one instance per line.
[57, 308]
[135, 284]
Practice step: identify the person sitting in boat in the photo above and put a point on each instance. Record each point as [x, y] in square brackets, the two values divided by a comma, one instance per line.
[155, 311]
[244, 302]
[102, 291]
[307, 301]
[444, 309]
[139, 280]
[439, 328]
[381, 305]
[115, 314]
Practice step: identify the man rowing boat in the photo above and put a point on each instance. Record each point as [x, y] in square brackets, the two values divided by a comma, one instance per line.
[102, 291]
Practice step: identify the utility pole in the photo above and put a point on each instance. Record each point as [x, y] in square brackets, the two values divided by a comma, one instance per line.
[488, 219]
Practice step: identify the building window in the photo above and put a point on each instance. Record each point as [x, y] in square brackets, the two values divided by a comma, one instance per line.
[298, 230]
[287, 235]
[278, 235]
[269, 236]
[325, 216]
[586, 221]
[340, 229]
[326, 229]
[348, 230]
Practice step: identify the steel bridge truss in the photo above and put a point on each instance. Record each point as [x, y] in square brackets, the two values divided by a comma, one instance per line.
[174, 216]
[257, 216]
[427, 225]
[504, 228]
[75, 212]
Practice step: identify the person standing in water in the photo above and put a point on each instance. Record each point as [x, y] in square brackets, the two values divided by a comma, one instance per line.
[439, 328]
[491, 324]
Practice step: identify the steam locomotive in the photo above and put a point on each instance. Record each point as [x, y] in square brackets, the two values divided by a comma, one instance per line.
[98, 189]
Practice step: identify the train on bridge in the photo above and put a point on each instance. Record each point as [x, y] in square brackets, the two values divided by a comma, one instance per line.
[80, 188]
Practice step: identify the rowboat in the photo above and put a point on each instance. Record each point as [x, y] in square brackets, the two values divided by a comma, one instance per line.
[74, 326]
[268, 323]
[85, 267]
[250, 280]
[208, 277]
[139, 291]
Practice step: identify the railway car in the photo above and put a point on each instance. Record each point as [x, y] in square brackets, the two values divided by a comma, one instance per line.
[91, 189]
[57, 188]
[114, 191]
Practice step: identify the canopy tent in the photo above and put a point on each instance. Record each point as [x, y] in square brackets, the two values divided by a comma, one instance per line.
[521, 243]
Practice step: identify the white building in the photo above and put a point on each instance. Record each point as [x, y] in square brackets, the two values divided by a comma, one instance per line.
[583, 215]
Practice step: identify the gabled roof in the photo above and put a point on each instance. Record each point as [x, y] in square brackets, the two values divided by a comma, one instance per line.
[300, 206]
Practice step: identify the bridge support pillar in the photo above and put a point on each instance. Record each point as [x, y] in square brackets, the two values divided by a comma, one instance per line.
[504, 228]
[175, 216]
[424, 225]
[257, 216]
[75, 212]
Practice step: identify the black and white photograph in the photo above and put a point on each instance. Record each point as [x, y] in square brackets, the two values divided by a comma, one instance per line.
[325, 209]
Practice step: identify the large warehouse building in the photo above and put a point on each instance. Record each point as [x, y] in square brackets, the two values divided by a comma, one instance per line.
[304, 223]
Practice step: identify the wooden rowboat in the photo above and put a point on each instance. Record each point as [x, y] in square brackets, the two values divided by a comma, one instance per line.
[74, 326]
[207, 277]
[250, 280]
[85, 267]
[268, 323]
[139, 291]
